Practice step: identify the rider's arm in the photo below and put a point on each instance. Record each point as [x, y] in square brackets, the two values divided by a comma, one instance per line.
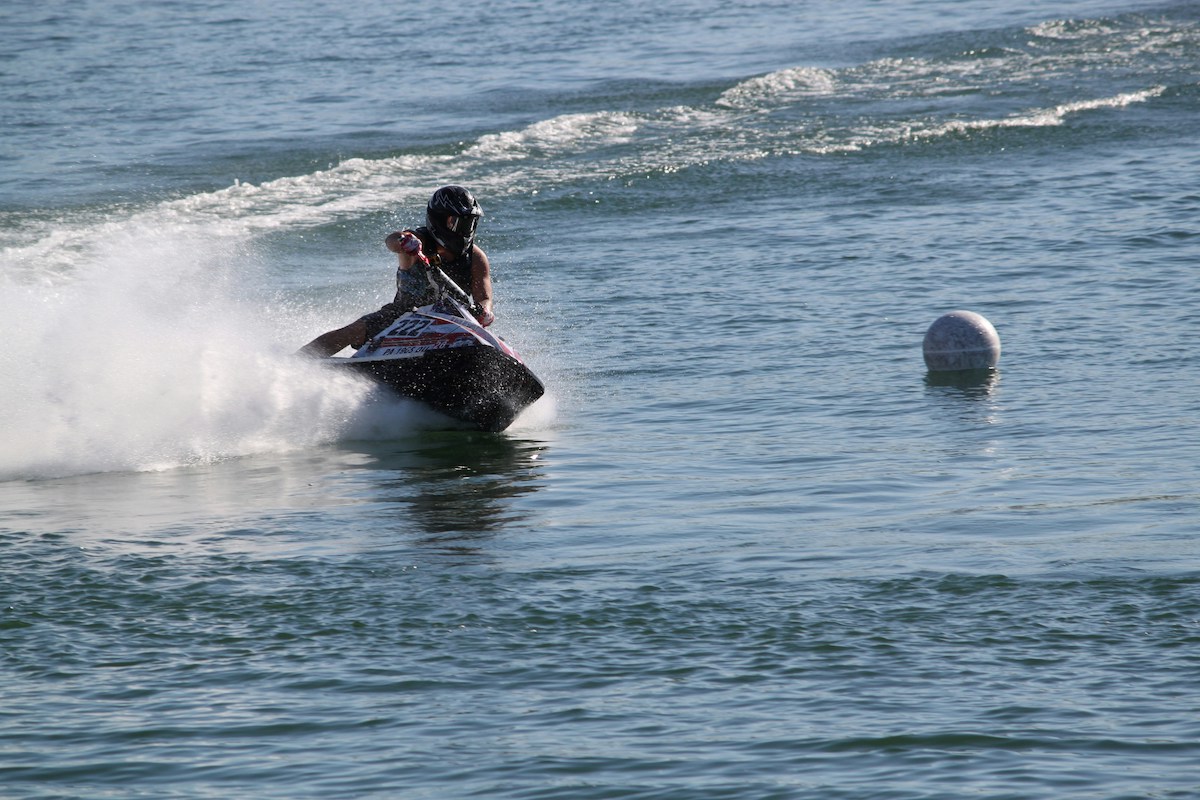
[329, 343]
[481, 279]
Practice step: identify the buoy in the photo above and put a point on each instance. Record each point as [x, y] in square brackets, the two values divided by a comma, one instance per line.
[961, 340]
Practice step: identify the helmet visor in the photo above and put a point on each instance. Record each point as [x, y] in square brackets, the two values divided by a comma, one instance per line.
[464, 226]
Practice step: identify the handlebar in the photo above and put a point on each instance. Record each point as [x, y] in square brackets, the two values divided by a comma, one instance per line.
[443, 283]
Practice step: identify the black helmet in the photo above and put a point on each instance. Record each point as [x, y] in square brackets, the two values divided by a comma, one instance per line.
[452, 215]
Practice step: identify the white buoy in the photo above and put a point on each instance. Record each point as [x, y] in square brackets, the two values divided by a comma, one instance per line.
[961, 340]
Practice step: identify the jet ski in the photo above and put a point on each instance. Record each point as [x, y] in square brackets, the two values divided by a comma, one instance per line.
[440, 355]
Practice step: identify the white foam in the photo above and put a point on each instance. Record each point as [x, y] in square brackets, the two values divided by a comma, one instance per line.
[1071, 29]
[55, 249]
[782, 86]
[556, 135]
[877, 135]
[50, 249]
[147, 359]
[1037, 118]
[538, 417]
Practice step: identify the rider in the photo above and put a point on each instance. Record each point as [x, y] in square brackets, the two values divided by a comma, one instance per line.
[448, 240]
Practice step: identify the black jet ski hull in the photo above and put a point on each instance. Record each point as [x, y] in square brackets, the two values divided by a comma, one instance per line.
[479, 385]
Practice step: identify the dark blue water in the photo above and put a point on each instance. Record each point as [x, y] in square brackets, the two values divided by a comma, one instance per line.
[746, 547]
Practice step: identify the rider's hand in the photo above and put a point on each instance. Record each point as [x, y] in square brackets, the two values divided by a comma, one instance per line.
[406, 244]
[409, 243]
[484, 316]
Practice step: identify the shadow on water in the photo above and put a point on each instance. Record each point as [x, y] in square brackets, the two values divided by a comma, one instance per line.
[969, 384]
[971, 396]
[455, 488]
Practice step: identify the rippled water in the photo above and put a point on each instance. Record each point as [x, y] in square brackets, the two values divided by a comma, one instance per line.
[746, 547]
